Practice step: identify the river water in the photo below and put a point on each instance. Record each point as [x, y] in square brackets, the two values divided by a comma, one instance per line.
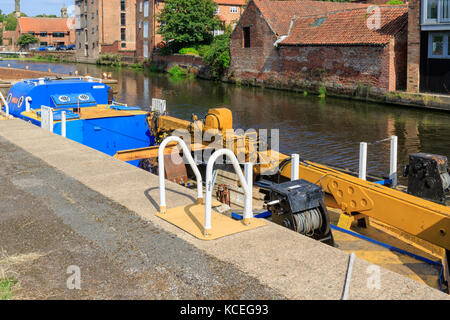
[323, 130]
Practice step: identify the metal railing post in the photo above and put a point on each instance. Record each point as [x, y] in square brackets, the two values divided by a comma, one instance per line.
[362, 160]
[161, 172]
[47, 118]
[5, 103]
[27, 104]
[248, 202]
[246, 185]
[295, 164]
[63, 124]
[393, 161]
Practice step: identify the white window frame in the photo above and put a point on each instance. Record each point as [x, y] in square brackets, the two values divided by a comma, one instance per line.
[439, 18]
[217, 11]
[445, 52]
[234, 9]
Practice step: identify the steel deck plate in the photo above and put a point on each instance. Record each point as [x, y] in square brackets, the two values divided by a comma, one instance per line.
[191, 218]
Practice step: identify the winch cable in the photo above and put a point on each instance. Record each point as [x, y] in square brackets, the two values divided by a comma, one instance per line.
[308, 221]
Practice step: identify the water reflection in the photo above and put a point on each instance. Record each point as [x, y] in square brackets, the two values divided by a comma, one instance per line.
[324, 131]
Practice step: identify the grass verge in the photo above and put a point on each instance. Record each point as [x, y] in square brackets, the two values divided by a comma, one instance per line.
[6, 286]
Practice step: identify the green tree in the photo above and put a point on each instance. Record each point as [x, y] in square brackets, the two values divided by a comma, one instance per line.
[26, 39]
[10, 22]
[217, 55]
[188, 22]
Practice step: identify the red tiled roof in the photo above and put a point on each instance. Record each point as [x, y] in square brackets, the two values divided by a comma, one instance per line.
[27, 24]
[280, 13]
[231, 2]
[348, 27]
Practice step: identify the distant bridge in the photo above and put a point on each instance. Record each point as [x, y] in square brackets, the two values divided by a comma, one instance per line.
[12, 53]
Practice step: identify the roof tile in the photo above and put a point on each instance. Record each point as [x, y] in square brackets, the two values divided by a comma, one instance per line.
[27, 24]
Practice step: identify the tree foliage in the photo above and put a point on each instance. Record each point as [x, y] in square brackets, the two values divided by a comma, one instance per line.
[10, 22]
[26, 39]
[188, 22]
[217, 55]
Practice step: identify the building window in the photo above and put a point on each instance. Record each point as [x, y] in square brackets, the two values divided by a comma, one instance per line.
[145, 29]
[435, 11]
[123, 45]
[122, 5]
[438, 45]
[58, 34]
[146, 8]
[123, 20]
[432, 9]
[246, 36]
[234, 9]
[123, 34]
[43, 34]
[217, 11]
[140, 6]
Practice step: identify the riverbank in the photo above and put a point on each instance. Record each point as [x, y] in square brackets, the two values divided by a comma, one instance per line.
[194, 65]
[101, 215]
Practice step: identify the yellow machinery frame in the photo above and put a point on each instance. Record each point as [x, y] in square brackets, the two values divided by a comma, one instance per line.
[421, 218]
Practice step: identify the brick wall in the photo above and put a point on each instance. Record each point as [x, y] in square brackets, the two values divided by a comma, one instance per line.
[261, 56]
[338, 68]
[413, 69]
[341, 69]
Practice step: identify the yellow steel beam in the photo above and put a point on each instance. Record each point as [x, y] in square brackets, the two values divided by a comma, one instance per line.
[152, 152]
[424, 219]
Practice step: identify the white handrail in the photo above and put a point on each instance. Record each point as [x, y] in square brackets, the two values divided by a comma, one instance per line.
[47, 118]
[63, 123]
[393, 161]
[362, 173]
[362, 160]
[5, 103]
[246, 185]
[295, 163]
[27, 104]
[162, 184]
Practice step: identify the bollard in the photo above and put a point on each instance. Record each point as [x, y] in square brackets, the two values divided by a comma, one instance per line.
[362, 160]
[295, 163]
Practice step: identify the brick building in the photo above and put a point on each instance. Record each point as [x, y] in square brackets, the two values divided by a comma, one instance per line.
[105, 26]
[310, 44]
[49, 31]
[429, 46]
[147, 11]
[9, 39]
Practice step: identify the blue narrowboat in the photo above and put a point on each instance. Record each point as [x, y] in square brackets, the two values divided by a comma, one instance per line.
[92, 117]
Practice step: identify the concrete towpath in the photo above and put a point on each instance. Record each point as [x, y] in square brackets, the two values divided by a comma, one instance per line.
[63, 204]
